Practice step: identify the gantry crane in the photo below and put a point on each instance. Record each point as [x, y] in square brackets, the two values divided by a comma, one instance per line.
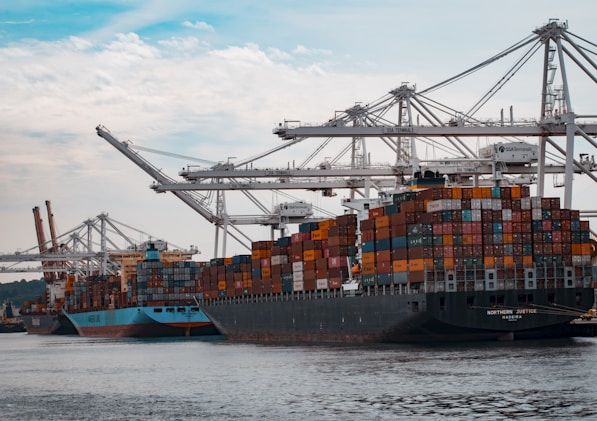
[292, 212]
[80, 254]
[407, 119]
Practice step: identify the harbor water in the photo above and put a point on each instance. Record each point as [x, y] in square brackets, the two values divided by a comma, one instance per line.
[78, 378]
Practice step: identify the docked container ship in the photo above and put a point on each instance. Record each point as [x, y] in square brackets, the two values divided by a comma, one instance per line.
[45, 317]
[157, 299]
[48, 323]
[435, 264]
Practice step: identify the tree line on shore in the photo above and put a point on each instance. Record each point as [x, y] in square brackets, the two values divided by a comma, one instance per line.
[19, 291]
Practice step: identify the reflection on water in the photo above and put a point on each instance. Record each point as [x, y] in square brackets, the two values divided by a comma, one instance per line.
[70, 377]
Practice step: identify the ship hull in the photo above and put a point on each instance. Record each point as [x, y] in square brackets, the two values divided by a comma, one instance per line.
[49, 324]
[155, 321]
[407, 318]
[12, 328]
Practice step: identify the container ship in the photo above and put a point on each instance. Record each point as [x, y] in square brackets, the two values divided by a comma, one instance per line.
[44, 316]
[431, 264]
[156, 299]
[10, 322]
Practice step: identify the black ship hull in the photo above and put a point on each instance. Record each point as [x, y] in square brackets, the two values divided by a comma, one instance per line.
[12, 328]
[412, 317]
[49, 324]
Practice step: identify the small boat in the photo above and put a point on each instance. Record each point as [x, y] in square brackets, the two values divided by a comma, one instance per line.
[10, 322]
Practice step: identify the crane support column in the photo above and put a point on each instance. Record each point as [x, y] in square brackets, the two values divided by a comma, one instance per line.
[569, 174]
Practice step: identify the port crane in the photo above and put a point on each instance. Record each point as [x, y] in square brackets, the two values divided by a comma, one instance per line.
[400, 124]
[94, 247]
[295, 211]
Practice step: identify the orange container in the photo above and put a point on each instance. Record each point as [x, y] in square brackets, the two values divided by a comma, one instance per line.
[509, 261]
[369, 257]
[382, 221]
[449, 262]
[489, 261]
[416, 264]
[309, 255]
[399, 265]
[527, 261]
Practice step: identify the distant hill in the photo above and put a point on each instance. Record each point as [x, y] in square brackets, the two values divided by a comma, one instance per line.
[19, 291]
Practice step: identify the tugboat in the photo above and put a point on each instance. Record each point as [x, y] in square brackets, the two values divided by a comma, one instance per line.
[10, 323]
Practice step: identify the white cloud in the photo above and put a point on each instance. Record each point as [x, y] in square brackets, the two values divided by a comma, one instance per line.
[131, 45]
[277, 54]
[301, 49]
[199, 25]
[80, 43]
[186, 45]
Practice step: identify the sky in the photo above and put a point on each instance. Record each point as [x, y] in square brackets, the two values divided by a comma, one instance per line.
[210, 80]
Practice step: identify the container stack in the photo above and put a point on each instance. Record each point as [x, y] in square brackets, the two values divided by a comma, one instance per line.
[261, 270]
[95, 292]
[317, 257]
[342, 238]
[168, 283]
[436, 230]
[281, 267]
[238, 274]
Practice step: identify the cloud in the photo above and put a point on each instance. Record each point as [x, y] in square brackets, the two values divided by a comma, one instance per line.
[203, 26]
[131, 46]
[277, 54]
[301, 49]
[13, 22]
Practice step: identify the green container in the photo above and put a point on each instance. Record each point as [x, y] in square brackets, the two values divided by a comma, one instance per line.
[369, 280]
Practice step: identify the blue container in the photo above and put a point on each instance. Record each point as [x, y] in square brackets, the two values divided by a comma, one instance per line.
[527, 249]
[392, 209]
[283, 241]
[383, 244]
[467, 215]
[399, 242]
[241, 258]
[400, 277]
[152, 254]
[287, 285]
[368, 246]
[384, 278]
[447, 216]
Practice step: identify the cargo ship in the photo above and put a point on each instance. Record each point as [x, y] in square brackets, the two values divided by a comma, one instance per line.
[48, 323]
[151, 321]
[156, 299]
[44, 316]
[10, 322]
[428, 264]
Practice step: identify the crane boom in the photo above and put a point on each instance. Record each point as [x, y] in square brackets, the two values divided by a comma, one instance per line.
[41, 240]
[52, 228]
[155, 173]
